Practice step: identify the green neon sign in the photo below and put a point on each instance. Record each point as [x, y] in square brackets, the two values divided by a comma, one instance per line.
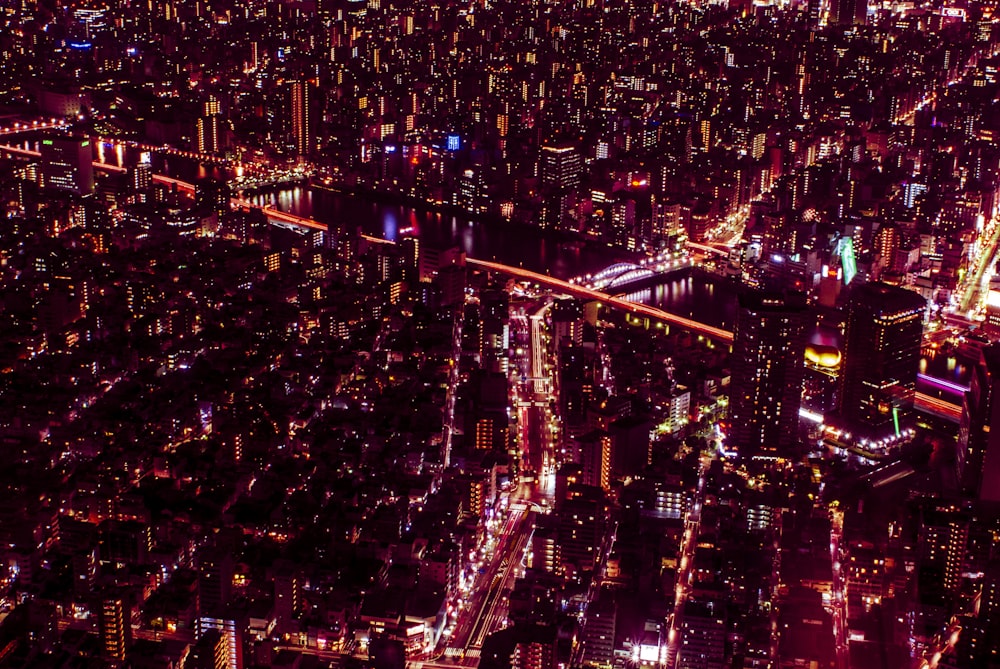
[847, 259]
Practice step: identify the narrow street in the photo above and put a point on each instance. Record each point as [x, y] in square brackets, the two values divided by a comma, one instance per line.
[692, 527]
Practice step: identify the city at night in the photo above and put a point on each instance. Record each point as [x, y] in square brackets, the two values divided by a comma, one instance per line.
[499, 334]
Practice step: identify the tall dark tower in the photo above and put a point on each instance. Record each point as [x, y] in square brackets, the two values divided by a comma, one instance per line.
[215, 580]
[881, 358]
[768, 367]
[978, 448]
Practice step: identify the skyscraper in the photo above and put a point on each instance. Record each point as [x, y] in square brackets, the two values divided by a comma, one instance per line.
[67, 165]
[978, 453]
[599, 632]
[302, 117]
[768, 367]
[141, 177]
[881, 356]
[561, 167]
[208, 134]
[231, 628]
[210, 652]
[114, 623]
[703, 635]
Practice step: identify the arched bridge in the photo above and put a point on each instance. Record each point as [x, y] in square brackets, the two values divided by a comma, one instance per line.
[616, 275]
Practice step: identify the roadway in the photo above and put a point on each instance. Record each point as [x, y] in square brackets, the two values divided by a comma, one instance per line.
[535, 397]
[838, 600]
[582, 292]
[449, 408]
[685, 573]
[491, 615]
[484, 610]
[523, 382]
[539, 392]
[977, 279]
[502, 559]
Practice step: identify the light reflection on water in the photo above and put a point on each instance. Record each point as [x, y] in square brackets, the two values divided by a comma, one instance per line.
[947, 367]
[510, 243]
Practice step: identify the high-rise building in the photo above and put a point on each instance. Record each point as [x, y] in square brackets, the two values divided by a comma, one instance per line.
[303, 119]
[286, 593]
[452, 280]
[545, 554]
[567, 321]
[768, 368]
[702, 635]
[599, 632]
[209, 131]
[141, 178]
[212, 107]
[595, 458]
[943, 541]
[631, 446]
[210, 652]
[410, 247]
[989, 606]
[561, 167]
[114, 624]
[978, 453]
[851, 12]
[887, 242]
[535, 647]
[232, 631]
[67, 165]
[991, 327]
[581, 532]
[881, 356]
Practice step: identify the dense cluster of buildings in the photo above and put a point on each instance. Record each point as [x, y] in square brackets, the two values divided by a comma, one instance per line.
[233, 444]
[220, 439]
[640, 124]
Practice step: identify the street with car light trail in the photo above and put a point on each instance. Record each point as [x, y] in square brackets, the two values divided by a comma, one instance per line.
[503, 556]
[692, 526]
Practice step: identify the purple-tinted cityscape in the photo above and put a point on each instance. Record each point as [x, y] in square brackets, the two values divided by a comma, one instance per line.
[499, 334]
